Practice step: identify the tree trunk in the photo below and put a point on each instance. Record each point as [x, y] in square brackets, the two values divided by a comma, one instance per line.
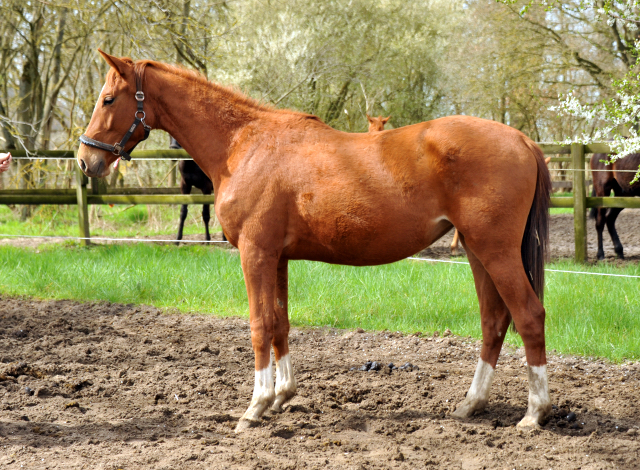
[336, 106]
[55, 81]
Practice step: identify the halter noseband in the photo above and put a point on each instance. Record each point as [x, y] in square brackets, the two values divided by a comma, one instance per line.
[118, 149]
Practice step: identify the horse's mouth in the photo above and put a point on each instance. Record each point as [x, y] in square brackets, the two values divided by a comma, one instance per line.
[100, 171]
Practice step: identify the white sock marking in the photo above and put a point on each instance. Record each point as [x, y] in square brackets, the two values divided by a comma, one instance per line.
[482, 380]
[539, 399]
[285, 380]
[264, 383]
[263, 394]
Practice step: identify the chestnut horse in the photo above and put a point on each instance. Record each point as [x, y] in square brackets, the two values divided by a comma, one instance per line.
[290, 187]
[376, 124]
[616, 177]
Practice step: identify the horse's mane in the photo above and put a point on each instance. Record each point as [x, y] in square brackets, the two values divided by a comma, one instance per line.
[233, 94]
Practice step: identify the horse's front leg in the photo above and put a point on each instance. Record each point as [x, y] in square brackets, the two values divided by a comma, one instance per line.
[285, 380]
[260, 268]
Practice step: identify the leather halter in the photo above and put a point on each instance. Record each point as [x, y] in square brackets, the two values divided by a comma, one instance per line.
[118, 149]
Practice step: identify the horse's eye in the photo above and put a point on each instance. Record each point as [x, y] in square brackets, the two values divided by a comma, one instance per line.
[108, 100]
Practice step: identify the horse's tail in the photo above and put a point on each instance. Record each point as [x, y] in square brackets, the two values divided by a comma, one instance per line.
[536, 232]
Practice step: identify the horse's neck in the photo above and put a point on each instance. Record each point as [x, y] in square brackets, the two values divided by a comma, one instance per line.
[202, 117]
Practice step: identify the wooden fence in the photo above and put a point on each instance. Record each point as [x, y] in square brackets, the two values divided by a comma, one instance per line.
[84, 195]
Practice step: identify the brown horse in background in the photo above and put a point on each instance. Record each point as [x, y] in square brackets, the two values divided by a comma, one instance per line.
[376, 124]
[290, 187]
[616, 177]
[192, 176]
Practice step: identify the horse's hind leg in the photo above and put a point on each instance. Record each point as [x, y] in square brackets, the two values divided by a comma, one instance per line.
[611, 226]
[504, 264]
[495, 319]
[285, 380]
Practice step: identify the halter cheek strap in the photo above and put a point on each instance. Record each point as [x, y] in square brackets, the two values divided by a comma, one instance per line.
[118, 149]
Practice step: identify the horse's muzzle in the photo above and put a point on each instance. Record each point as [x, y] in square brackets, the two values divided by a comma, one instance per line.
[92, 164]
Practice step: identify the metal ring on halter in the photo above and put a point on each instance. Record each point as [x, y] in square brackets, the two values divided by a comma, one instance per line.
[143, 115]
[139, 96]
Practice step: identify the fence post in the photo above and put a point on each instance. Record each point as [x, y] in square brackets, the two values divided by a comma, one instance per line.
[579, 202]
[83, 208]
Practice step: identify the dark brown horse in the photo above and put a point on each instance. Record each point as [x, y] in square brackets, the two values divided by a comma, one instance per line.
[616, 177]
[290, 187]
[192, 176]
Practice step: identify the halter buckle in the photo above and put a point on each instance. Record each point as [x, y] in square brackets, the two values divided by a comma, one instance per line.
[139, 96]
[117, 149]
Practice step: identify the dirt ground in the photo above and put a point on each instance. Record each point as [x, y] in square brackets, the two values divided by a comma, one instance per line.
[109, 386]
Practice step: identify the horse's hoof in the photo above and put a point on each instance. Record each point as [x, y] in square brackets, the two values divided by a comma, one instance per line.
[245, 424]
[528, 423]
[466, 409]
[459, 414]
[462, 411]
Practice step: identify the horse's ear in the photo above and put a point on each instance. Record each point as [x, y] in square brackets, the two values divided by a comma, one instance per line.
[119, 65]
[368, 118]
[384, 121]
[547, 161]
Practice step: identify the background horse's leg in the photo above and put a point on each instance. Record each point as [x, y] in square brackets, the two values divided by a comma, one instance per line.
[260, 268]
[184, 189]
[206, 216]
[454, 243]
[285, 379]
[601, 217]
[504, 265]
[495, 319]
[612, 215]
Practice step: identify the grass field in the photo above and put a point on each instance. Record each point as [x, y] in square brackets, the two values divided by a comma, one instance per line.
[116, 221]
[587, 315]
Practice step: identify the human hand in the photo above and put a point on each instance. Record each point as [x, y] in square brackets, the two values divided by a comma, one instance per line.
[5, 161]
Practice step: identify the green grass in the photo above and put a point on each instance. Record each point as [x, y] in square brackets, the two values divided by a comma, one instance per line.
[117, 221]
[587, 315]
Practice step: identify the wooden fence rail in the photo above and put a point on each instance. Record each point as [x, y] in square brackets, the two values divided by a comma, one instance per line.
[83, 198]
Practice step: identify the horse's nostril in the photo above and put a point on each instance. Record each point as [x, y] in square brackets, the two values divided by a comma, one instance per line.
[83, 165]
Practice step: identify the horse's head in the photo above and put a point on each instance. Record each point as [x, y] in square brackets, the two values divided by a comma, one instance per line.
[111, 133]
[376, 124]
